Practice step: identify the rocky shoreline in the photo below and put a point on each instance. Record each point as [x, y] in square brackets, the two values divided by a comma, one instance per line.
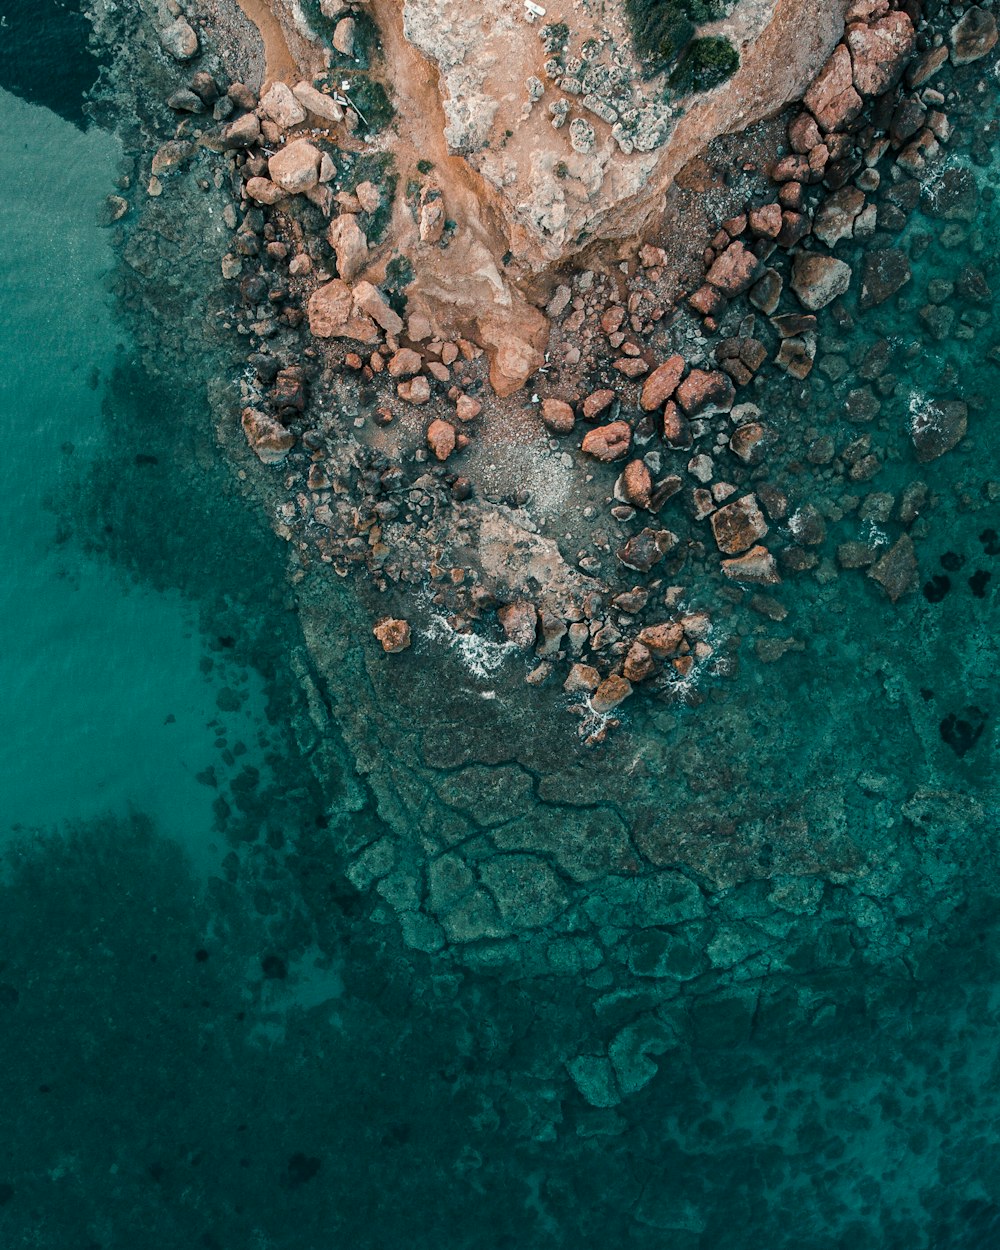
[673, 871]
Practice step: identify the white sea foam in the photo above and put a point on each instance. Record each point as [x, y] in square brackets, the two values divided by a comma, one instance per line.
[480, 655]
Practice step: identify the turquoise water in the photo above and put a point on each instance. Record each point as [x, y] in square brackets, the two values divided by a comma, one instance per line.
[215, 1031]
[101, 676]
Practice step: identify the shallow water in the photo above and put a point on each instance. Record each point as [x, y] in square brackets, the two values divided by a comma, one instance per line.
[211, 1032]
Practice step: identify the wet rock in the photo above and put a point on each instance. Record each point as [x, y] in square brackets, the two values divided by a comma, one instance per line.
[937, 427]
[519, 622]
[819, 280]
[280, 105]
[796, 356]
[953, 196]
[757, 568]
[582, 678]
[171, 155]
[332, 314]
[244, 132]
[441, 436]
[706, 391]
[608, 442]
[370, 301]
[637, 483]
[639, 663]
[879, 52]
[925, 67]
[856, 555]
[738, 525]
[185, 101]
[393, 634]
[179, 39]
[884, 272]
[861, 405]
[647, 548]
[662, 640]
[268, 437]
[832, 98]
[660, 385]
[526, 890]
[973, 36]
[896, 571]
[594, 1077]
[835, 218]
[909, 116]
[735, 270]
[750, 441]
[558, 415]
[289, 392]
[612, 691]
[295, 168]
[317, 102]
[766, 291]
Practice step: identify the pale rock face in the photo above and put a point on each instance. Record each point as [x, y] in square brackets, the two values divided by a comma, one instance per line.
[280, 104]
[332, 314]
[268, 438]
[348, 241]
[317, 103]
[296, 167]
[179, 39]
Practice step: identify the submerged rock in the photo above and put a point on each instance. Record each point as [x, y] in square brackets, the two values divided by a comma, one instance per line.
[885, 271]
[937, 427]
[738, 525]
[896, 571]
[973, 36]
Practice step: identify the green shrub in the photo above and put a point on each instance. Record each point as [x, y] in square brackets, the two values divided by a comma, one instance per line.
[705, 64]
[663, 29]
[372, 103]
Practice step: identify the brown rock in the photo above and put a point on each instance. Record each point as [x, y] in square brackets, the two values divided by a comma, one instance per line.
[637, 483]
[264, 191]
[467, 408]
[405, 363]
[819, 280]
[418, 391]
[661, 383]
[662, 640]
[796, 357]
[803, 134]
[370, 301]
[885, 271]
[676, 427]
[519, 621]
[608, 442]
[631, 366]
[735, 270]
[596, 403]
[348, 240]
[750, 441]
[756, 567]
[765, 222]
[268, 438]
[243, 133]
[925, 67]
[766, 291]
[393, 634]
[705, 390]
[612, 691]
[558, 415]
[332, 314]
[879, 52]
[646, 548]
[639, 664]
[832, 99]
[295, 168]
[738, 525]
[896, 572]
[707, 301]
[835, 219]
[582, 677]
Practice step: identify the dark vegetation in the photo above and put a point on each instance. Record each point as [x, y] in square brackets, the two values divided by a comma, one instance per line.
[663, 35]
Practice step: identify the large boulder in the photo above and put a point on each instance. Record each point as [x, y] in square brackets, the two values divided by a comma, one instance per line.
[973, 36]
[879, 52]
[332, 314]
[936, 427]
[738, 525]
[280, 105]
[296, 167]
[179, 39]
[819, 280]
[885, 271]
[832, 99]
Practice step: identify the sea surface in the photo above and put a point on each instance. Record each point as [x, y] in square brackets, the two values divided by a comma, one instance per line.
[208, 1040]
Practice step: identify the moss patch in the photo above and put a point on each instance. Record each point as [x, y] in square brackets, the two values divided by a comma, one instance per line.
[705, 64]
